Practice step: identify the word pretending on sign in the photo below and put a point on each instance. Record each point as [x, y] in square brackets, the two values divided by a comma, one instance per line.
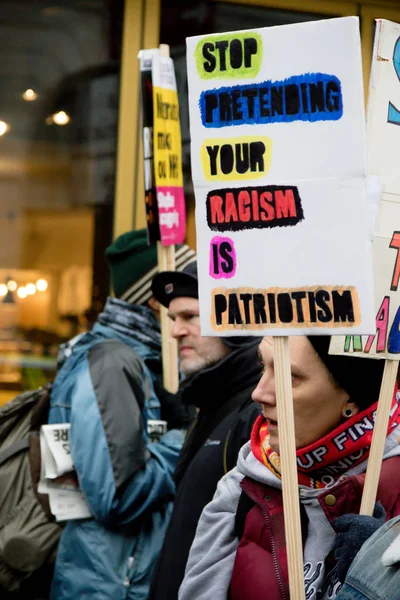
[277, 132]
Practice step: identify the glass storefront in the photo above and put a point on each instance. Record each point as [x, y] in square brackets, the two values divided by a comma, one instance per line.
[58, 124]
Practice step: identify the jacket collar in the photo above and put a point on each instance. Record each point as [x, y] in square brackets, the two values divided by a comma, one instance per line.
[134, 324]
[211, 387]
[251, 467]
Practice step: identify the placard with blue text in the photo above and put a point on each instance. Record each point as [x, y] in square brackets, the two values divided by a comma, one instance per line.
[383, 144]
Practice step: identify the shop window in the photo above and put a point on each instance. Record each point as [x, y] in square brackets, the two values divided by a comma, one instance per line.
[58, 125]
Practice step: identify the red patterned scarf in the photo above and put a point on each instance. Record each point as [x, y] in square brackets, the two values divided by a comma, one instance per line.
[331, 456]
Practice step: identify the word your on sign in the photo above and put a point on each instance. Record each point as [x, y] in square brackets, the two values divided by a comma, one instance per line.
[245, 158]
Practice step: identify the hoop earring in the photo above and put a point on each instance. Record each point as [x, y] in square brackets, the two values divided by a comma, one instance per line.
[347, 413]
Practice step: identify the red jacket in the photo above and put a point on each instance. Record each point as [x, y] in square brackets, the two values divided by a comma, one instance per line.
[260, 569]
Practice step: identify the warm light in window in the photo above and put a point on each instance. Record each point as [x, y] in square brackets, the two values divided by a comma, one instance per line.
[61, 118]
[29, 95]
[21, 292]
[41, 285]
[3, 289]
[12, 285]
[30, 289]
[4, 127]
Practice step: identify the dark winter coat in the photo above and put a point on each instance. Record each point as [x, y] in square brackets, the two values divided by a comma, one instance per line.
[226, 415]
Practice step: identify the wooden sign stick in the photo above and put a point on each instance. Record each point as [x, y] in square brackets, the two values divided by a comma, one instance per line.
[166, 262]
[379, 437]
[287, 452]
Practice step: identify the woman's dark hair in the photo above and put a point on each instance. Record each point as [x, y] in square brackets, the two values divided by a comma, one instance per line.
[360, 377]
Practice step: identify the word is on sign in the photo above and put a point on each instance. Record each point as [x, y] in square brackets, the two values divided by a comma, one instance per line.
[277, 147]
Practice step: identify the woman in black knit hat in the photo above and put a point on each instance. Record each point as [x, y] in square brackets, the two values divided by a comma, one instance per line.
[239, 550]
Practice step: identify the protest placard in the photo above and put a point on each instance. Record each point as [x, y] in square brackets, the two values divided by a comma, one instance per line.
[383, 150]
[383, 137]
[167, 150]
[164, 193]
[278, 163]
[162, 149]
[146, 93]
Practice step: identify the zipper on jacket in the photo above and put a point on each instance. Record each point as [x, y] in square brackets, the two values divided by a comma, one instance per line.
[274, 553]
[129, 574]
[189, 433]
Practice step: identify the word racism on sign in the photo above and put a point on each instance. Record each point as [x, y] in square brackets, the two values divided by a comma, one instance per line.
[277, 142]
[383, 159]
[166, 155]
[234, 209]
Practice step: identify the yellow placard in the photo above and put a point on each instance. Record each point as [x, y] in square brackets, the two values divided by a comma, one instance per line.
[167, 138]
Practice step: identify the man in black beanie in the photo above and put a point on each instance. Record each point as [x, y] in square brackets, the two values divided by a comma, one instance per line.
[221, 374]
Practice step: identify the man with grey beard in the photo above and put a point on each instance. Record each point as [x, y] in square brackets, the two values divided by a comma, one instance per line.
[220, 375]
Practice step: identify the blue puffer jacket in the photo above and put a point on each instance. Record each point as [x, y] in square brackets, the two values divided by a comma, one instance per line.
[105, 390]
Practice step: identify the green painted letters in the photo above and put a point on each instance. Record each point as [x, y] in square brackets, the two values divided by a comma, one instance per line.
[229, 55]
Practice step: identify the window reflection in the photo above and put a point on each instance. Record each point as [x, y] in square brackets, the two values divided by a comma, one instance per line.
[58, 122]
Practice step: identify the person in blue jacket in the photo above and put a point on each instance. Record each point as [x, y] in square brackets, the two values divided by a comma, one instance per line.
[108, 389]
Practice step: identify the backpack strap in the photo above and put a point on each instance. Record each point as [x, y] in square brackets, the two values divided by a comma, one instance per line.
[15, 448]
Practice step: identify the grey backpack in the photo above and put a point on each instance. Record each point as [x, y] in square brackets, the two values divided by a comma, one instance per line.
[28, 533]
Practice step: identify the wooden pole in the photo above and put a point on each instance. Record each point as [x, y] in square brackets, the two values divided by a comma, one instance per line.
[129, 130]
[166, 262]
[379, 437]
[287, 452]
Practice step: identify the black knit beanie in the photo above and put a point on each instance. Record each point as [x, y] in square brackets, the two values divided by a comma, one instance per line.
[168, 285]
[360, 377]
